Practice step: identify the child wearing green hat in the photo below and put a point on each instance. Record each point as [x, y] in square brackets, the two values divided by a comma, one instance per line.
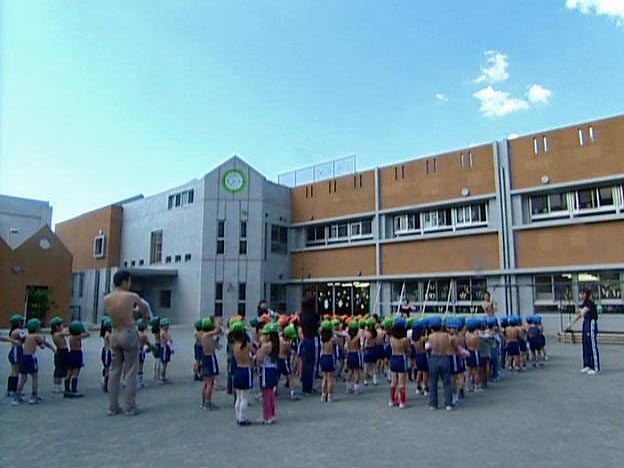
[354, 358]
[209, 366]
[289, 334]
[17, 334]
[77, 333]
[59, 338]
[197, 351]
[144, 346]
[167, 348]
[327, 360]
[266, 358]
[241, 369]
[28, 362]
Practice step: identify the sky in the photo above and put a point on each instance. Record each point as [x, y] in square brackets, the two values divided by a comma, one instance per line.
[100, 101]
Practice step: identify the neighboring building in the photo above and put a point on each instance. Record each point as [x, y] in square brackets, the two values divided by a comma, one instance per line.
[35, 266]
[531, 219]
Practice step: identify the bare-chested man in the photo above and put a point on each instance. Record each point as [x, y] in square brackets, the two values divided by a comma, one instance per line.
[439, 364]
[120, 306]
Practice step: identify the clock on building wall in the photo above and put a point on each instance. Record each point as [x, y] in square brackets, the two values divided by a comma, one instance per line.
[234, 180]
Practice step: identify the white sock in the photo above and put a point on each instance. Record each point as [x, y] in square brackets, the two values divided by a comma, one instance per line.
[243, 406]
[237, 409]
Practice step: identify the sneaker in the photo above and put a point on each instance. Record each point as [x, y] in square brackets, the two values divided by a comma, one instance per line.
[403, 405]
[132, 412]
[111, 412]
[419, 391]
[244, 422]
[35, 400]
[212, 406]
[433, 408]
[450, 408]
[68, 395]
[391, 404]
[268, 422]
[425, 393]
[17, 400]
[294, 397]
[584, 370]
[78, 395]
[9, 394]
[592, 372]
[545, 358]
[58, 389]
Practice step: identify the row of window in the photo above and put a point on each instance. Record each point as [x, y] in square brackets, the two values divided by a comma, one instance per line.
[579, 202]
[180, 199]
[584, 137]
[460, 217]
[604, 286]
[339, 232]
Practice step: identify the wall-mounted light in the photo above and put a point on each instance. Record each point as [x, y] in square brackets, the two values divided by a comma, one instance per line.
[465, 192]
[17, 269]
[545, 180]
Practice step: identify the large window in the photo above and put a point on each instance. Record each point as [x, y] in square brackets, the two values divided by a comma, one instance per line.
[595, 199]
[99, 246]
[179, 199]
[347, 231]
[406, 224]
[437, 220]
[549, 206]
[471, 215]
[220, 237]
[165, 298]
[242, 243]
[156, 240]
[279, 239]
[219, 299]
[242, 298]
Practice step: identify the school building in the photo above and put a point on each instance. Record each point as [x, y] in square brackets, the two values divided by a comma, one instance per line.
[531, 219]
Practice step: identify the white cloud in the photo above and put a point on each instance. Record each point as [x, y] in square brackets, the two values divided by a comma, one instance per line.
[496, 103]
[537, 93]
[614, 8]
[441, 97]
[495, 69]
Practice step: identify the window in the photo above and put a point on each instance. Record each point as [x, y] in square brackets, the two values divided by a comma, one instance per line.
[243, 230]
[471, 215]
[367, 227]
[406, 223]
[178, 258]
[545, 143]
[99, 245]
[218, 310]
[549, 206]
[168, 259]
[177, 200]
[279, 239]
[218, 291]
[220, 237]
[315, 235]
[125, 264]
[436, 219]
[132, 263]
[242, 297]
[581, 139]
[165, 298]
[187, 257]
[563, 288]
[156, 246]
[141, 262]
[592, 135]
[595, 199]
[242, 247]
[338, 232]
[535, 146]
[77, 284]
[543, 288]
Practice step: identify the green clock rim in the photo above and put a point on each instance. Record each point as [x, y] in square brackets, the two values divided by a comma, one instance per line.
[239, 172]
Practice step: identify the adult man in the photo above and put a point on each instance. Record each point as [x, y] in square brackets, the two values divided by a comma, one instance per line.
[591, 356]
[439, 364]
[120, 305]
[310, 345]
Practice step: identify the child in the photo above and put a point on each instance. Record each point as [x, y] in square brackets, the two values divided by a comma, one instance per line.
[419, 338]
[17, 334]
[167, 348]
[241, 367]
[354, 358]
[289, 334]
[535, 341]
[327, 361]
[28, 362]
[485, 346]
[154, 324]
[388, 323]
[267, 359]
[472, 361]
[107, 357]
[512, 334]
[77, 333]
[61, 356]
[209, 365]
[370, 351]
[339, 348]
[197, 351]
[144, 346]
[457, 354]
[398, 363]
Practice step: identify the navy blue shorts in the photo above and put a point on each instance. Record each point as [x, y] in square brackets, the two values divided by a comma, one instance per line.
[422, 362]
[243, 378]
[28, 364]
[354, 360]
[327, 363]
[473, 360]
[210, 366]
[523, 346]
[141, 354]
[165, 355]
[457, 364]
[398, 363]
[483, 360]
[15, 354]
[542, 340]
[74, 359]
[513, 349]
[370, 355]
[387, 350]
[535, 344]
[157, 351]
[107, 357]
[412, 352]
[198, 352]
[340, 354]
[283, 366]
[61, 357]
[270, 377]
[380, 352]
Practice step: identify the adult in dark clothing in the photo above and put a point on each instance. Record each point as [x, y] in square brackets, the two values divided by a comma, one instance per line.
[310, 346]
[589, 313]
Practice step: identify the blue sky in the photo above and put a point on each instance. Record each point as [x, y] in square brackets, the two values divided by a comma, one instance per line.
[104, 100]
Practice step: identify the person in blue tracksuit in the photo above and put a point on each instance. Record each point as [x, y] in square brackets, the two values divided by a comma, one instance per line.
[309, 349]
[589, 313]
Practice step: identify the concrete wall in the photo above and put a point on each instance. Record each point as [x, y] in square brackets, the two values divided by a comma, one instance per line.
[20, 218]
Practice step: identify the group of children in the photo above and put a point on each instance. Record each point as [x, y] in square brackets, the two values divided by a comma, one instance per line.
[26, 338]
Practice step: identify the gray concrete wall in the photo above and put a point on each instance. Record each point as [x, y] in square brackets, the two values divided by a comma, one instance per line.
[20, 218]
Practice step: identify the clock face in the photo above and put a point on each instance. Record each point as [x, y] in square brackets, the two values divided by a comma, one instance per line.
[44, 244]
[234, 180]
